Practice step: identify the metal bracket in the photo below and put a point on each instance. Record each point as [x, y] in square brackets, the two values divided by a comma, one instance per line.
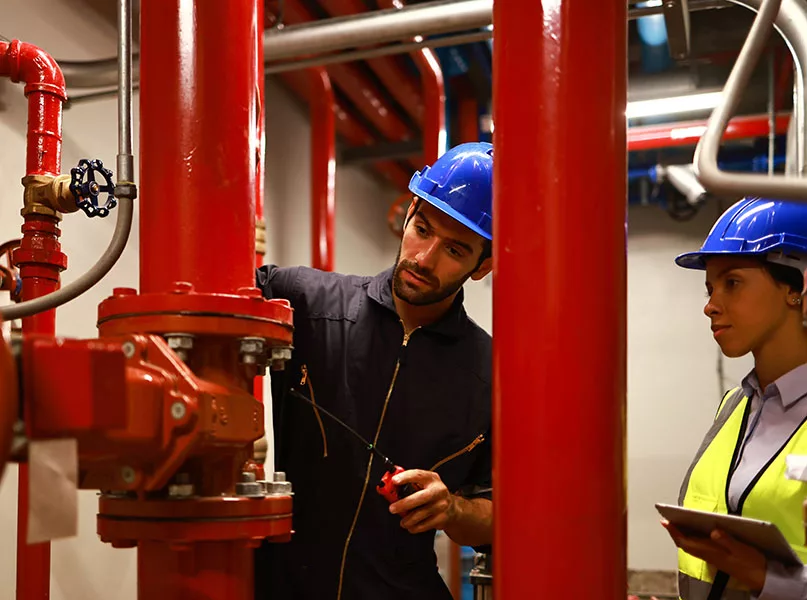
[676, 18]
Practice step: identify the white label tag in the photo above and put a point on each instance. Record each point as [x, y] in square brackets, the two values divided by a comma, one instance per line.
[52, 490]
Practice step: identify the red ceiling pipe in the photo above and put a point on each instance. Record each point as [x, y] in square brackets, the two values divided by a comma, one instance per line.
[434, 96]
[351, 131]
[403, 87]
[323, 170]
[542, 246]
[688, 133]
[39, 256]
[356, 86]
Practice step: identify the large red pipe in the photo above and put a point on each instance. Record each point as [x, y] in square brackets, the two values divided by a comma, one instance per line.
[688, 133]
[559, 353]
[323, 169]
[39, 256]
[197, 206]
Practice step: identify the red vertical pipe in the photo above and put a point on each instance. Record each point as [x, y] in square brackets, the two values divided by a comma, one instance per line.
[214, 570]
[323, 169]
[560, 447]
[39, 256]
[468, 117]
[260, 157]
[434, 97]
[198, 96]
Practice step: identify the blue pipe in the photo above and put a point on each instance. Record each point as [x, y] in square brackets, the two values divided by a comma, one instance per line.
[653, 34]
[643, 173]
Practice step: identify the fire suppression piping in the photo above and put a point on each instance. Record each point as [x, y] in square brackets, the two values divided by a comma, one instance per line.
[323, 170]
[688, 133]
[434, 97]
[542, 246]
[403, 87]
[39, 257]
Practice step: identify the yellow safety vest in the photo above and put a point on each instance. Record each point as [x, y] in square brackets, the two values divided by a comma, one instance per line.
[771, 496]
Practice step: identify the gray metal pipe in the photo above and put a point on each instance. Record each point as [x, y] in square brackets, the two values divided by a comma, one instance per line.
[787, 14]
[791, 23]
[327, 35]
[125, 153]
[682, 177]
[315, 42]
[376, 27]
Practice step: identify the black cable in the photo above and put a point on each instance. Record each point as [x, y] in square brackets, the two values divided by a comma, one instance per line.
[369, 445]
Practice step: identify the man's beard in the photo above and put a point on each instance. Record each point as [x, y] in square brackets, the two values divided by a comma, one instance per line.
[433, 295]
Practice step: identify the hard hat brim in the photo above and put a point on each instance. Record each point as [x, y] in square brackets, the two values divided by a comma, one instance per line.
[451, 212]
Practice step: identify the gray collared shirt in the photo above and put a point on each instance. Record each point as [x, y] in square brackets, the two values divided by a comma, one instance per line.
[776, 413]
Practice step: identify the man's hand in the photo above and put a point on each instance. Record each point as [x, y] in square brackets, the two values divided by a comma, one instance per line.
[743, 562]
[431, 507]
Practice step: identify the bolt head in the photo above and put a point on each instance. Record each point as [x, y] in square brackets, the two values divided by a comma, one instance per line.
[182, 287]
[252, 346]
[128, 474]
[178, 410]
[179, 341]
[129, 349]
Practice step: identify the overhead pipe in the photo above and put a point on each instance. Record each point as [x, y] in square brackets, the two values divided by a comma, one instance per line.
[323, 170]
[655, 50]
[788, 17]
[542, 246]
[295, 44]
[688, 133]
[400, 84]
[355, 85]
[791, 23]
[354, 133]
[682, 178]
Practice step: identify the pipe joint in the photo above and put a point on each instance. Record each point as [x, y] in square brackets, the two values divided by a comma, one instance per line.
[48, 195]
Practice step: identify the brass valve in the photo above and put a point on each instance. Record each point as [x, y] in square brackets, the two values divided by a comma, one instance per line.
[47, 195]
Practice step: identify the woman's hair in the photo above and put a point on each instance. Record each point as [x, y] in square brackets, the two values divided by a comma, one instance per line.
[789, 276]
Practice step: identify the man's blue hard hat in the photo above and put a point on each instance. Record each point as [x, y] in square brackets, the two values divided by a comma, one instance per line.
[460, 183]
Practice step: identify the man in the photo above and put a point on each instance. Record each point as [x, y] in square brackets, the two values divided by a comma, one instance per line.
[396, 358]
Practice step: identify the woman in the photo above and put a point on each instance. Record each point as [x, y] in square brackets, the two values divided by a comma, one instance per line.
[754, 258]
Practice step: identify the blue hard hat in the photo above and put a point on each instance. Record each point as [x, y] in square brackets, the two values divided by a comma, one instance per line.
[460, 183]
[772, 229]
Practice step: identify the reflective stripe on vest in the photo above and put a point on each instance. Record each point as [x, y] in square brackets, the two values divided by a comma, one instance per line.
[771, 496]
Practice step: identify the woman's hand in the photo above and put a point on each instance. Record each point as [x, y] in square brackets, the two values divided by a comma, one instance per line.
[741, 561]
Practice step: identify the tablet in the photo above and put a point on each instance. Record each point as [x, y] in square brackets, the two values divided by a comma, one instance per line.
[762, 535]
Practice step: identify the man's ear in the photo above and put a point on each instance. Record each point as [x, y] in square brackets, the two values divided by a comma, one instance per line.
[485, 268]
